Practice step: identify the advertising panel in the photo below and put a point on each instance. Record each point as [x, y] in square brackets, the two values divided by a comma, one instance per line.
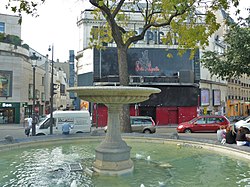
[205, 97]
[216, 97]
[144, 62]
[85, 64]
[5, 83]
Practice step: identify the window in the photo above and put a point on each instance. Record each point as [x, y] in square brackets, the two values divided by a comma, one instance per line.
[2, 27]
[211, 120]
[30, 91]
[141, 122]
[201, 121]
[37, 94]
[46, 124]
[43, 96]
[219, 120]
[43, 80]
[62, 89]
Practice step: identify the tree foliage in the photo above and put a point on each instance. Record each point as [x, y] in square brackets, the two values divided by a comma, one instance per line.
[235, 61]
[24, 6]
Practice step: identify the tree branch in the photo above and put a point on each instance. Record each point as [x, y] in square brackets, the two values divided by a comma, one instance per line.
[117, 9]
[147, 26]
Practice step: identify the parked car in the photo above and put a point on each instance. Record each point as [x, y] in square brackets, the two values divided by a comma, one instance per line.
[245, 122]
[209, 123]
[143, 124]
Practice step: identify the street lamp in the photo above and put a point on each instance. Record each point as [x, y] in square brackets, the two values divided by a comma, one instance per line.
[51, 89]
[34, 64]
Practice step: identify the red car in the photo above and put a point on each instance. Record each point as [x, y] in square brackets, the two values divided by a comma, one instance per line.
[209, 123]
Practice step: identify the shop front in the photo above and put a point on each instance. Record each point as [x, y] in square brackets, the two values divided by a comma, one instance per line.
[9, 112]
[238, 108]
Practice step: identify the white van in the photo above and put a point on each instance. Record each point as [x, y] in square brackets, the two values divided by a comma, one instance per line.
[80, 120]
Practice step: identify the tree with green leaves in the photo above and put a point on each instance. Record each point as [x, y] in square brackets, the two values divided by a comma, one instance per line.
[24, 6]
[235, 61]
[191, 21]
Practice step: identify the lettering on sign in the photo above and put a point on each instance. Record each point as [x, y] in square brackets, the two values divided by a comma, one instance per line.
[6, 105]
[144, 64]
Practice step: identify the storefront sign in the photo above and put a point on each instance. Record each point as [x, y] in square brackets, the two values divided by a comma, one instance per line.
[6, 105]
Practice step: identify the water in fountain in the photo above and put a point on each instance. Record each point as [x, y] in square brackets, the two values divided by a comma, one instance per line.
[156, 164]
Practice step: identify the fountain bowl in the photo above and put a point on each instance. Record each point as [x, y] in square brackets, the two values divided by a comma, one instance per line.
[114, 94]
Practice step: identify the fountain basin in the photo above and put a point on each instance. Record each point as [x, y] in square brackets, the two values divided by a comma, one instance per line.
[114, 94]
[172, 163]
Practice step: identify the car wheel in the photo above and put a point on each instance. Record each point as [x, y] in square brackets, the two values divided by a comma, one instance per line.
[40, 134]
[187, 131]
[147, 131]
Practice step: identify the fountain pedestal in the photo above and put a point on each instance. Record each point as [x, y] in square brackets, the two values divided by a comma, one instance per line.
[113, 154]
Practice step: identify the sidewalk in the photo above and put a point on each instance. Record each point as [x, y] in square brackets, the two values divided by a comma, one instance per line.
[11, 126]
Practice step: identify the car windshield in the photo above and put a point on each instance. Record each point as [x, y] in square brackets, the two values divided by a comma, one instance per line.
[247, 118]
[41, 122]
[193, 120]
[141, 121]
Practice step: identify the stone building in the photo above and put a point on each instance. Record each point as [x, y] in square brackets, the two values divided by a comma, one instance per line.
[16, 76]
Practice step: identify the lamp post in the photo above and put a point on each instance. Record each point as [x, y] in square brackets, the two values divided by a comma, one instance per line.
[34, 64]
[51, 89]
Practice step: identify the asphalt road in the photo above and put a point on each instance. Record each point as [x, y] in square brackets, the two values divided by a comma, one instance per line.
[17, 131]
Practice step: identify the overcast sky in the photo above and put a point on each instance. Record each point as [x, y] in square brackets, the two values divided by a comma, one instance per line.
[57, 25]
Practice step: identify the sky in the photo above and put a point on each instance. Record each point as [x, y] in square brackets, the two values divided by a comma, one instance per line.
[56, 25]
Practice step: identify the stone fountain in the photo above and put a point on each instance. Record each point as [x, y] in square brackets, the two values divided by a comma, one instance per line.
[112, 156]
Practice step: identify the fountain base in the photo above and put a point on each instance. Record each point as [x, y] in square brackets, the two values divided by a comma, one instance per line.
[113, 168]
[113, 159]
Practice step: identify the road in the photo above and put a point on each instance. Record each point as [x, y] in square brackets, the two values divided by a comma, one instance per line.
[17, 131]
[170, 130]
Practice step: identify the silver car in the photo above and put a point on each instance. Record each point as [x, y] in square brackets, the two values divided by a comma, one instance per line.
[243, 123]
[144, 124]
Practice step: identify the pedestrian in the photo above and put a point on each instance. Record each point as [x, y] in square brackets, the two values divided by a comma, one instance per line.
[221, 134]
[241, 137]
[66, 127]
[230, 134]
[29, 126]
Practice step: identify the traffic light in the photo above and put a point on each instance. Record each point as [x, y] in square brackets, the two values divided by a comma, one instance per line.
[54, 88]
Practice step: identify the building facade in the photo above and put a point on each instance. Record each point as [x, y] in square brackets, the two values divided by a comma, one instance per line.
[228, 97]
[16, 77]
[177, 77]
[188, 89]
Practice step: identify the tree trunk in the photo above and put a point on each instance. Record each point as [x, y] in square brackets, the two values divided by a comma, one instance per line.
[123, 76]
[123, 65]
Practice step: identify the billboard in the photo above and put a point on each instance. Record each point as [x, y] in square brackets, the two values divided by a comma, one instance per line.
[144, 62]
[85, 64]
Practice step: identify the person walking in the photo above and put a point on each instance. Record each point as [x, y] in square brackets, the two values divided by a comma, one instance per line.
[66, 127]
[29, 126]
